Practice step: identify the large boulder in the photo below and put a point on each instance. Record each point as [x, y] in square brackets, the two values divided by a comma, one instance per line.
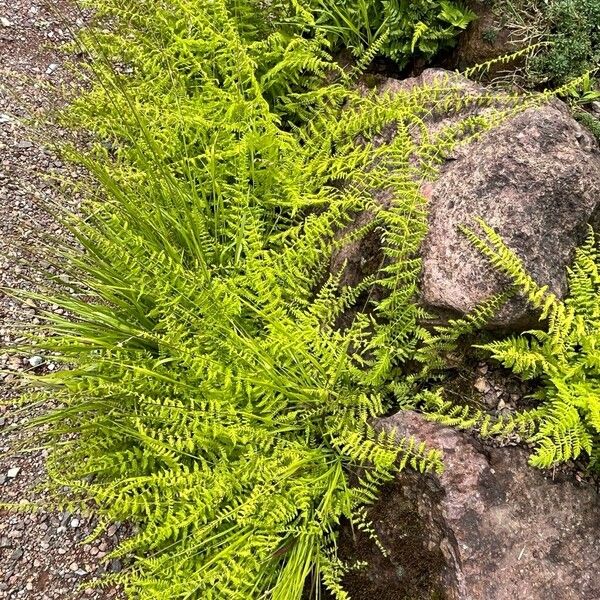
[489, 528]
[535, 178]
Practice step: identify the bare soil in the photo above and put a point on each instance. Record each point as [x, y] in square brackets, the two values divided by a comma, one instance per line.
[42, 554]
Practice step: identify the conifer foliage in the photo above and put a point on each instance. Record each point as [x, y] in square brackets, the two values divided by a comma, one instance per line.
[211, 399]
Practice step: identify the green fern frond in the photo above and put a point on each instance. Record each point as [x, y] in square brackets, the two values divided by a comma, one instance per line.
[565, 358]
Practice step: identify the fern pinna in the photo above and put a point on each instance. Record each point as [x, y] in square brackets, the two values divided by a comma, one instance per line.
[564, 359]
[211, 400]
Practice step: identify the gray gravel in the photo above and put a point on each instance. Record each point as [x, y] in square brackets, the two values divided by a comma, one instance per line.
[41, 553]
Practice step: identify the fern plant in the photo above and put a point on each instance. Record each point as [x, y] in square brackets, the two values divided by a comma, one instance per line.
[212, 399]
[564, 360]
[402, 29]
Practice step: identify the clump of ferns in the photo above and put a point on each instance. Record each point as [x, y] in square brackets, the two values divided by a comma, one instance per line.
[563, 360]
[211, 399]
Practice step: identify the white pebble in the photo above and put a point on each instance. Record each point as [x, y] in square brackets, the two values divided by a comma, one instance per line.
[12, 473]
[35, 361]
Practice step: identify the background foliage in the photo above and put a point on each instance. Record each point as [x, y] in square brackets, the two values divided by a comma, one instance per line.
[400, 29]
[573, 28]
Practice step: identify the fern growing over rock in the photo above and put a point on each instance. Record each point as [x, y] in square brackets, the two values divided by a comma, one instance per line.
[564, 360]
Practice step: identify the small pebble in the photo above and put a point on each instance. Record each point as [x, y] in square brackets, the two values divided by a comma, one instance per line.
[481, 385]
[17, 553]
[115, 565]
[12, 473]
[35, 361]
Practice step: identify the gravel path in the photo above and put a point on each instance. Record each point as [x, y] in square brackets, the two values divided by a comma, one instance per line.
[41, 553]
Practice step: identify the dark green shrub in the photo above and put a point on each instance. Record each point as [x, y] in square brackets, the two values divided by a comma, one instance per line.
[573, 28]
[590, 121]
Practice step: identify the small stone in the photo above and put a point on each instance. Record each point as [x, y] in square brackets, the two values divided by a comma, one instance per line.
[62, 551]
[4, 118]
[14, 363]
[115, 565]
[23, 145]
[501, 404]
[74, 566]
[481, 385]
[12, 473]
[75, 523]
[17, 554]
[35, 361]
[4, 542]
[5, 22]
[112, 530]
[51, 68]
